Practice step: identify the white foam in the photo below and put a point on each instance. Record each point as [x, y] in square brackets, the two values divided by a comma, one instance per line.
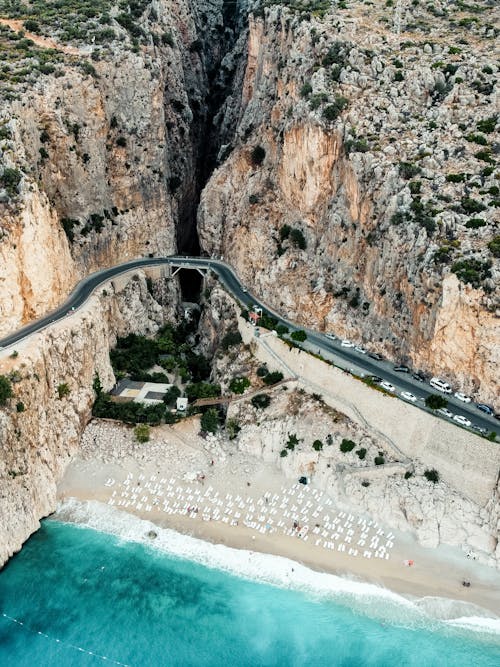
[368, 599]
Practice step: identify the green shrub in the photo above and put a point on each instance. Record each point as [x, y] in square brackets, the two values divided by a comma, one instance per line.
[435, 402]
[283, 453]
[63, 390]
[141, 432]
[455, 178]
[10, 179]
[232, 428]
[347, 445]
[475, 223]
[361, 453]
[306, 90]
[171, 396]
[209, 421]
[470, 205]
[408, 170]
[292, 441]
[379, 460]
[20, 406]
[298, 239]
[273, 378]
[121, 141]
[487, 125]
[494, 246]
[472, 271]
[365, 483]
[239, 384]
[432, 476]
[408, 474]
[232, 337]
[262, 371]
[477, 139]
[261, 401]
[317, 445]
[5, 389]
[300, 335]
[398, 75]
[202, 390]
[332, 111]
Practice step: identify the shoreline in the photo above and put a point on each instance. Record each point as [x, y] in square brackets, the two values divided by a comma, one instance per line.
[436, 573]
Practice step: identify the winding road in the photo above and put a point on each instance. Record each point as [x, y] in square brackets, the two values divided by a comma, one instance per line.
[347, 358]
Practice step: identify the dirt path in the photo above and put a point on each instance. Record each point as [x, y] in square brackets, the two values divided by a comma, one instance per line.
[43, 42]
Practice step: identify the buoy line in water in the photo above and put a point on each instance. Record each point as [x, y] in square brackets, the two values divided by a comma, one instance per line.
[63, 643]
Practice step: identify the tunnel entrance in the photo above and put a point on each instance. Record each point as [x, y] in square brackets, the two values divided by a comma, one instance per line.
[191, 283]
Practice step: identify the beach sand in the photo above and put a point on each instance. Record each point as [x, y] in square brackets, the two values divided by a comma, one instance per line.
[137, 478]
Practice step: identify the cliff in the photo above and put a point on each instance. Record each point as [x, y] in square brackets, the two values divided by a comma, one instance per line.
[103, 118]
[360, 195]
[52, 376]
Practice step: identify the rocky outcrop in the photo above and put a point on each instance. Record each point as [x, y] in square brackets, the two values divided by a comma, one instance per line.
[52, 376]
[360, 194]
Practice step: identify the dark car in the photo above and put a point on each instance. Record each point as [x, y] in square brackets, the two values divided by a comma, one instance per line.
[376, 356]
[484, 408]
[418, 376]
[374, 378]
[401, 369]
[497, 415]
[479, 429]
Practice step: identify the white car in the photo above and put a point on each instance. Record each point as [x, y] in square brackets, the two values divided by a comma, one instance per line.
[460, 419]
[440, 385]
[346, 343]
[360, 349]
[462, 397]
[408, 396]
[331, 336]
[387, 386]
[445, 412]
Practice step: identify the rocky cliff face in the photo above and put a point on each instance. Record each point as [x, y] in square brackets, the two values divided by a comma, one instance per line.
[102, 139]
[53, 374]
[360, 194]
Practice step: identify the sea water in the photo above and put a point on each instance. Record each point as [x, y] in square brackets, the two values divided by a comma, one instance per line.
[79, 596]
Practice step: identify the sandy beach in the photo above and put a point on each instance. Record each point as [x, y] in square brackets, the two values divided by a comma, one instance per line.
[216, 493]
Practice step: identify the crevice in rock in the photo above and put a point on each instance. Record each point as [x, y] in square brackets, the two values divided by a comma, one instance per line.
[220, 26]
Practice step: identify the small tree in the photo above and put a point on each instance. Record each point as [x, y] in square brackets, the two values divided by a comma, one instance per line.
[292, 441]
[171, 395]
[261, 401]
[361, 453]
[299, 335]
[283, 453]
[436, 402]
[317, 445]
[141, 432]
[347, 445]
[379, 460]
[209, 421]
[432, 476]
[273, 378]
[239, 384]
[232, 428]
[20, 406]
[5, 389]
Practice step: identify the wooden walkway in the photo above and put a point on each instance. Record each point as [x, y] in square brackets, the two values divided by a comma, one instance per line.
[233, 398]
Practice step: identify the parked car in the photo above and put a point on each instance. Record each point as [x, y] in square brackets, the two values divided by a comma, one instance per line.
[462, 397]
[440, 385]
[485, 408]
[387, 386]
[375, 378]
[376, 356]
[445, 412]
[419, 376]
[346, 343]
[331, 336]
[408, 396]
[401, 369]
[460, 419]
[496, 415]
[360, 349]
[479, 429]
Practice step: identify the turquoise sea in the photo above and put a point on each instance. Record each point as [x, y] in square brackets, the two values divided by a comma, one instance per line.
[98, 599]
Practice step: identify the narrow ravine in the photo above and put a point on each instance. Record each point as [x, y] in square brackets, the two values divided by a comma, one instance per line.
[220, 53]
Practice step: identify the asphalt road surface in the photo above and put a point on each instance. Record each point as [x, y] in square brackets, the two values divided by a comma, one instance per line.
[347, 358]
